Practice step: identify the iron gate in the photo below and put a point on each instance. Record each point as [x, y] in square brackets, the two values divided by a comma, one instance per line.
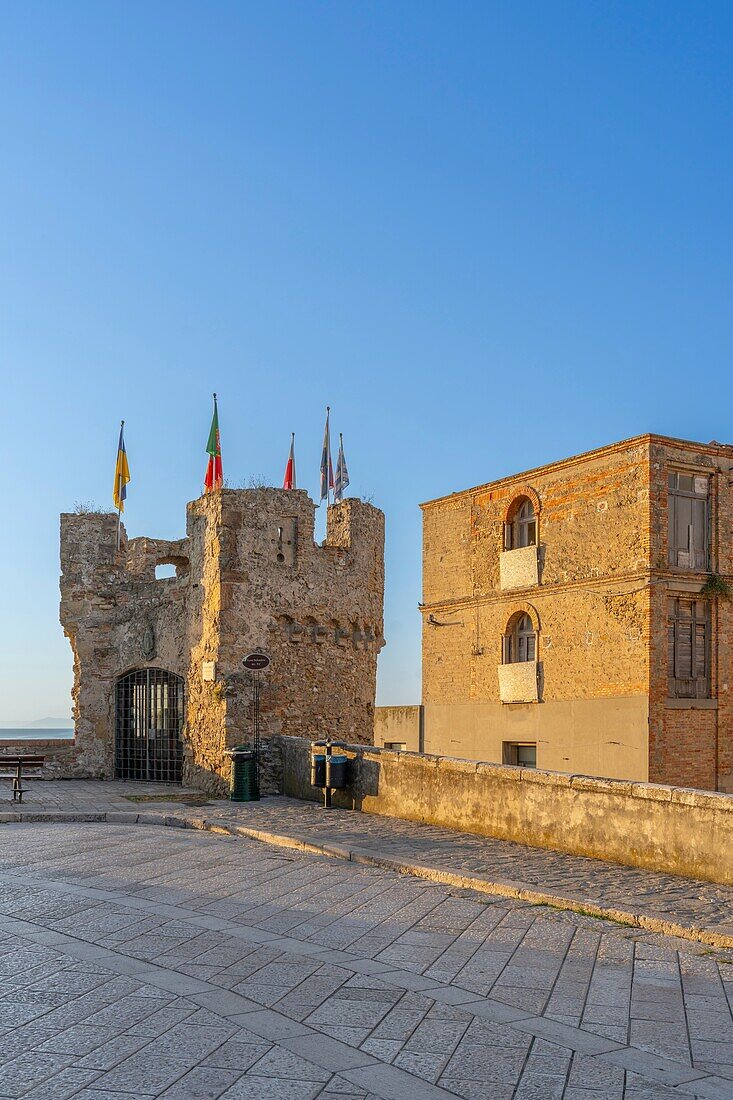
[148, 722]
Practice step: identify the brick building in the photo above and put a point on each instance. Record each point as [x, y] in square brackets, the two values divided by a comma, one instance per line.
[576, 617]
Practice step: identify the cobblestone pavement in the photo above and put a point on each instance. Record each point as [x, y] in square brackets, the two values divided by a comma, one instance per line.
[661, 901]
[173, 963]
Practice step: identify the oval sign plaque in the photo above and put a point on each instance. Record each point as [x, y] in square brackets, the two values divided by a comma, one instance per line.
[256, 661]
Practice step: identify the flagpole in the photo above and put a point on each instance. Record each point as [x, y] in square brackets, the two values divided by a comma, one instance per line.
[294, 476]
[338, 463]
[328, 457]
[119, 506]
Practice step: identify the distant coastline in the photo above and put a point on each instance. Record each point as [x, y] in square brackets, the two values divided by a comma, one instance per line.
[34, 733]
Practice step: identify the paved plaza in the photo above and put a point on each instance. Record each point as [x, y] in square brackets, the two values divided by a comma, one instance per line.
[657, 901]
[167, 962]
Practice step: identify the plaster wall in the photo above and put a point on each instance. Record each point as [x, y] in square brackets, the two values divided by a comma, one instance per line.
[399, 725]
[595, 736]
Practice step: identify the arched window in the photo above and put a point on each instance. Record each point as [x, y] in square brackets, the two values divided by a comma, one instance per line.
[521, 529]
[520, 640]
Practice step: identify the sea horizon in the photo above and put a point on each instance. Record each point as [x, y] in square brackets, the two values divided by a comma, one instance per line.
[34, 733]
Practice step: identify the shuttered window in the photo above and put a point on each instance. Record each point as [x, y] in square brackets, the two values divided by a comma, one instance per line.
[689, 521]
[688, 657]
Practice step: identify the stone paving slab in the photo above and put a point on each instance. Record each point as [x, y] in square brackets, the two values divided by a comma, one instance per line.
[659, 902]
[380, 986]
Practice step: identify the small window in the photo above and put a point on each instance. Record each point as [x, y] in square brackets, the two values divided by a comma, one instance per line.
[688, 657]
[522, 754]
[521, 530]
[164, 572]
[395, 746]
[689, 518]
[520, 642]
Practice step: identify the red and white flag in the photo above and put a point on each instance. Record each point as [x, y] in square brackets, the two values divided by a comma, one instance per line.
[289, 479]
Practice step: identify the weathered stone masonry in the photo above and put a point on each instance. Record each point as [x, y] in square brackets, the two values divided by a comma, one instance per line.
[597, 583]
[249, 577]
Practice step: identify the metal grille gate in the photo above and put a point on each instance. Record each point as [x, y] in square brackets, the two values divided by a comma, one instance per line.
[148, 722]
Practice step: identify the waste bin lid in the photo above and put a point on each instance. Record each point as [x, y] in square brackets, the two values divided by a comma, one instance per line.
[240, 750]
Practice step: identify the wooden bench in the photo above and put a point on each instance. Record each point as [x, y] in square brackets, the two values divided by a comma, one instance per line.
[20, 761]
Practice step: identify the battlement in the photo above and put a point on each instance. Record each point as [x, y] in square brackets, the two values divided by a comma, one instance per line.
[249, 576]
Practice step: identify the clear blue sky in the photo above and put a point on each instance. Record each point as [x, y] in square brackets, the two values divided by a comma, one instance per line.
[488, 234]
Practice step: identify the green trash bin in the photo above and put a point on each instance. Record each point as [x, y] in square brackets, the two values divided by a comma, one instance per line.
[244, 785]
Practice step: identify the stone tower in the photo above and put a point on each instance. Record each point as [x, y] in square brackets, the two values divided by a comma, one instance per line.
[249, 576]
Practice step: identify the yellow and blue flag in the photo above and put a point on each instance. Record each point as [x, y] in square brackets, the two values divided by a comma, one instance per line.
[122, 473]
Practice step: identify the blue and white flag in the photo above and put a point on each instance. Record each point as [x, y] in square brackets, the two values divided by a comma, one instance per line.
[342, 472]
[327, 482]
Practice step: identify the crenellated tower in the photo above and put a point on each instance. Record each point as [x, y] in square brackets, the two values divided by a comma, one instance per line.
[158, 662]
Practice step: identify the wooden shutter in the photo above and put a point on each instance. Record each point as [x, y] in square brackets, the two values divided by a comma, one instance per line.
[688, 647]
[507, 536]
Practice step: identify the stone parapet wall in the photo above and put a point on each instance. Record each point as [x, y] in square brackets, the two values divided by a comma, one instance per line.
[674, 829]
[59, 754]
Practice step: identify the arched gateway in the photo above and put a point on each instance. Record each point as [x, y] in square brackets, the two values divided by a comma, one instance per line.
[149, 715]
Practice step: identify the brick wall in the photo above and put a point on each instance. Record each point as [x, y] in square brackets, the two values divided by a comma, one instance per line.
[600, 607]
[691, 742]
[593, 539]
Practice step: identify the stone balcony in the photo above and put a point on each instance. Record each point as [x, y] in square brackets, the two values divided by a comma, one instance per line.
[519, 568]
[519, 683]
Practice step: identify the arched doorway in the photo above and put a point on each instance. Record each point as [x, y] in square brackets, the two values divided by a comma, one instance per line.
[148, 721]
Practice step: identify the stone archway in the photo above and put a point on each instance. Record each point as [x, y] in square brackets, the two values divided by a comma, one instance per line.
[149, 714]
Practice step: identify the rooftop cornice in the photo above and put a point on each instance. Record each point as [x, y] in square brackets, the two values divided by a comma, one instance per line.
[575, 460]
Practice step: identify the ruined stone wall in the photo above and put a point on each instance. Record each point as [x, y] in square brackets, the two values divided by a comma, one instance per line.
[315, 610]
[249, 577]
[117, 617]
[589, 607]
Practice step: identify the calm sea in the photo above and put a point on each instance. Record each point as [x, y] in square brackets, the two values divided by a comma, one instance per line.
[33, 734]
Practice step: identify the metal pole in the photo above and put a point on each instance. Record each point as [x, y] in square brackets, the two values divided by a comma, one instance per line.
[328, 461]
[118, 486]
[257, 724]
[327, 789]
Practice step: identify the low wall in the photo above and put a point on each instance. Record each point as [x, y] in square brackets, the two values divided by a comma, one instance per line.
[683, 831]
[59, 753]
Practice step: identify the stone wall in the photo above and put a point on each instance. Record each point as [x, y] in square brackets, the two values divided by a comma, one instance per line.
[590, 610]
[58, 753]
[600, 611]
[682, 831]
[249, 577]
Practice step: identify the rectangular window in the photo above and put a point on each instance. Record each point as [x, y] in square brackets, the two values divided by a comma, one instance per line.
[520, 754]
[688, 656]
[396, 746]
[689, 518]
